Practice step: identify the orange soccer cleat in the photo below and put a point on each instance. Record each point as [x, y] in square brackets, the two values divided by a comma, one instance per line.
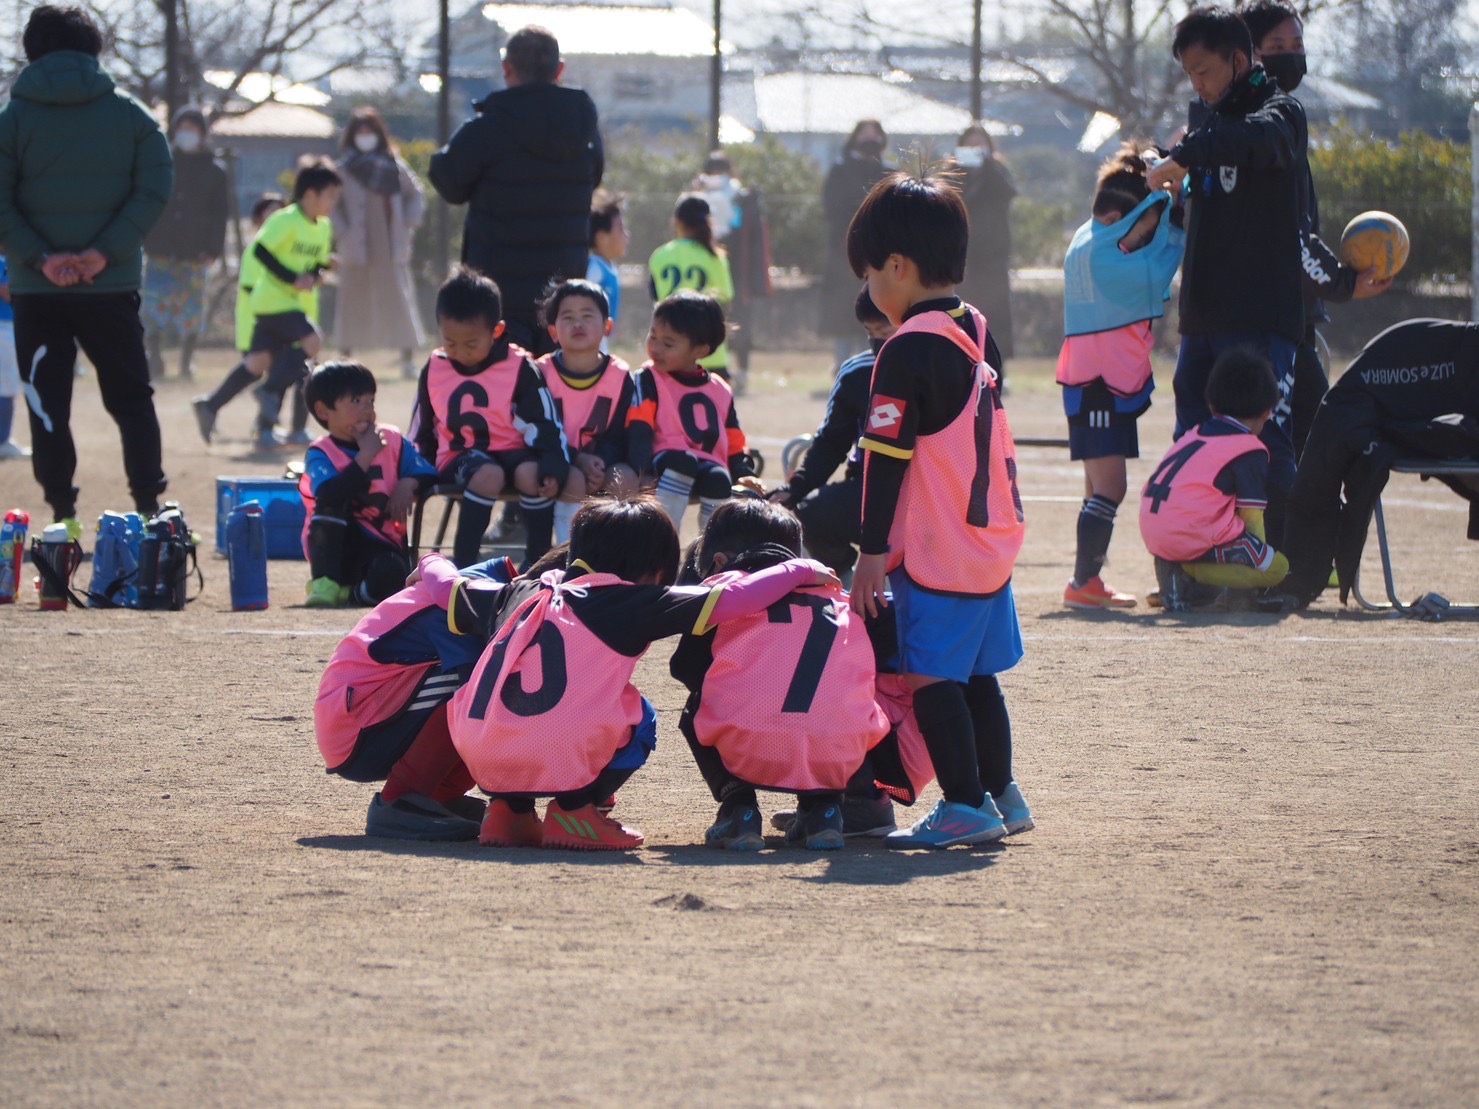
[587, 829]
[502, 827]
[1095, 594]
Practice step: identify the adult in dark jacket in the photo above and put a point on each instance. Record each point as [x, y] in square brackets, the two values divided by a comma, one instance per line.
[1413, 390]
[848, 181]
[988, 191]
[1278, 45]
[526, 167]
[186, 242]
[1241, 278]
[84, 173]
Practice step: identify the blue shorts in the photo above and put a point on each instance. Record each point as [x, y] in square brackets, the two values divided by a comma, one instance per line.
[955, 637]
[642, 743]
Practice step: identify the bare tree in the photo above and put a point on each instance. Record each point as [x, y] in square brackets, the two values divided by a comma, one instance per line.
[1119, 53]
[303, 41]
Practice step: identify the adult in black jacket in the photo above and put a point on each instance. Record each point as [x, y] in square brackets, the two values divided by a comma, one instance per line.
[1241, 280]
[186, 242]
[848, 181]
[1278, 45]
[1413, 390]
[526, 167]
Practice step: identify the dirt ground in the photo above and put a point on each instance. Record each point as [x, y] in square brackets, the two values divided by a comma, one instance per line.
[1255, 878]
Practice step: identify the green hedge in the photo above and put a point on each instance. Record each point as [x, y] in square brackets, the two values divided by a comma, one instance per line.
[1424, 181]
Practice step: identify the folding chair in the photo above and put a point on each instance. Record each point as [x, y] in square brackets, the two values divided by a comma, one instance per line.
[452, 495]
[1430, 606]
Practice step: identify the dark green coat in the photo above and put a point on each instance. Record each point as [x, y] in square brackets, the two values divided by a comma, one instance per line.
[82, 164]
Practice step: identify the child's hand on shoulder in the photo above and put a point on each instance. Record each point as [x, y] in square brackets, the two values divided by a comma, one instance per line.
[823, 574]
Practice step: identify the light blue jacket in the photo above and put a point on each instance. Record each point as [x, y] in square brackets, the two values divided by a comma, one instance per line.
[1105, 288]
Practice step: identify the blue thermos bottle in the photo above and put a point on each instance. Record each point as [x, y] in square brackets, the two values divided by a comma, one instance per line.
[246, 556]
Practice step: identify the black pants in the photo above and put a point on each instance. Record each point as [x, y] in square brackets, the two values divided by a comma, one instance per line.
[832, 523]
[1311, 383]
[49, 327]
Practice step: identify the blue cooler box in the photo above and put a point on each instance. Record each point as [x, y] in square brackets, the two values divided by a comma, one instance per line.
[282, 506]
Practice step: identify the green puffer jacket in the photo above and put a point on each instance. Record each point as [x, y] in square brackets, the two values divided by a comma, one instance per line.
[82, 165]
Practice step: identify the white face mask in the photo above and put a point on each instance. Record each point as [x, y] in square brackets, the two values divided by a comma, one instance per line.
[367, 142]
[187, 142]
[970, 156]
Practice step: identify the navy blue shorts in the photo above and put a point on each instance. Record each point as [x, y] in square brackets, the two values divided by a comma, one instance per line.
[460, 470]
[1104, 442]
[1246, 550]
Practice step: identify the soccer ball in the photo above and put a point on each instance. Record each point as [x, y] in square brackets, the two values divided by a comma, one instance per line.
[1375, 239]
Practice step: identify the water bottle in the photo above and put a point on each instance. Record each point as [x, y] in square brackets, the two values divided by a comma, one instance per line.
[115, 561]
[57, 556]
[246, 557]
[12, 552]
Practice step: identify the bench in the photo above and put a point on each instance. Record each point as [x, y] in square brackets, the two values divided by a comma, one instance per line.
[1430, 606]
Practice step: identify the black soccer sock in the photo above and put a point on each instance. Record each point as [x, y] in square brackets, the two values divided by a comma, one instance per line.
[945, 722]
[473, 515]
[237, 381]
[520, 803]
[993, 732]
[539, 527]
[1095, 529]
[606, 784]
[326, 535]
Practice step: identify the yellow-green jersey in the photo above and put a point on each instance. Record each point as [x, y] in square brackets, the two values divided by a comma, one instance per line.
[299, 245]
[685, 264]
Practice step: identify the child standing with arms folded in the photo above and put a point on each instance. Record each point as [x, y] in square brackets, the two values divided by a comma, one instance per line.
[1201, 513]
[693, 260]
[484, 415]
[942, 516]
[550, 709]
[593, 393]
[358, 484]
[683, 432]
[1117, 278]
[294, 248]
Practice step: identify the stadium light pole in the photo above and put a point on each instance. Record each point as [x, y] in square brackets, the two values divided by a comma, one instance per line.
[444, 131]
[716, 77]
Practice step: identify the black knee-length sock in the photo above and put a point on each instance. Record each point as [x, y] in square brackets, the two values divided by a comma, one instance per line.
[945, 722]
[993, 729]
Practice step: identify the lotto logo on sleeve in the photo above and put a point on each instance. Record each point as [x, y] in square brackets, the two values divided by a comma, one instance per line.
[887, 417]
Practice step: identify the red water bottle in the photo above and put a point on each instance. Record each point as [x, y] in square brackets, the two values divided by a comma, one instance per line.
[12, 552]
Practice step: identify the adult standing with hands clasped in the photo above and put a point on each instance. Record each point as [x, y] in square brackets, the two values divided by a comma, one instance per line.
[379, 210]
[84, 173]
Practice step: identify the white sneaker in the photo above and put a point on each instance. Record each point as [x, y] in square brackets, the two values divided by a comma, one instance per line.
[11, 449]
[1014, 811]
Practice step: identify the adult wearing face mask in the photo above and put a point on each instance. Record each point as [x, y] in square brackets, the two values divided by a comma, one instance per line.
[847, 183]
[379, 210]
[1242, 277]
[185, 244]
[1278, 43]
[988, 191]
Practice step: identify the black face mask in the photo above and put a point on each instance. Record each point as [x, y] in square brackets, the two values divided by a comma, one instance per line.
[868, 148]
[1287, 69]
